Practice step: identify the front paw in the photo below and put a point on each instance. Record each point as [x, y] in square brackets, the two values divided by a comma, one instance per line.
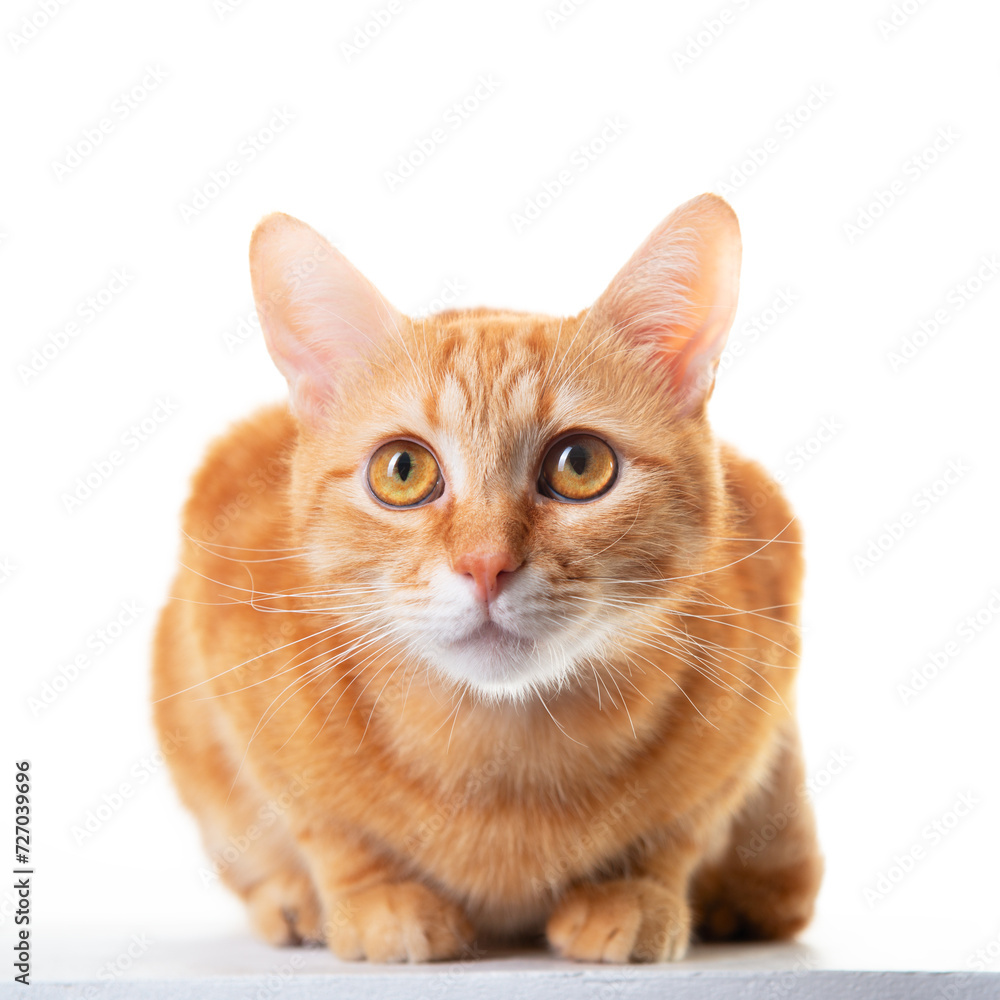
[396, 922]
[627, 920]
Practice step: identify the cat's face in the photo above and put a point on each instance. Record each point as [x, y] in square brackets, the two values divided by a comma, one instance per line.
[504, 498]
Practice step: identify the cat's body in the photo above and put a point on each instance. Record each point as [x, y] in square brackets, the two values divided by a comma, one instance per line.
[624, 741]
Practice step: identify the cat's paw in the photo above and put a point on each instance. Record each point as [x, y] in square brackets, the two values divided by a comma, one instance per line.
[398, 922]
[626, 920]
[284, 910]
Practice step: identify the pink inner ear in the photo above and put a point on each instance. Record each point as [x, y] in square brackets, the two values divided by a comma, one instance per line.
[317, 311]
[679, 291]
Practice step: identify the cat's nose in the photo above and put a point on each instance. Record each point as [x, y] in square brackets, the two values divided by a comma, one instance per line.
[488, 570]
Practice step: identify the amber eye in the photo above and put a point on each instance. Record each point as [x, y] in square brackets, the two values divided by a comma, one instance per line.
[579, 467]
[403, 474]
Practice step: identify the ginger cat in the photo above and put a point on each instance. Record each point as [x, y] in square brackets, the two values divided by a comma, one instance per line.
[483, 633]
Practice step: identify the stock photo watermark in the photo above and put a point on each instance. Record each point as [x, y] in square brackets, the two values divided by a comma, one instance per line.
[130, 441]
[898, 16]
[371, 28]
[92, 137]
[33, 24]
[455, 116]
[94, 645]
[777, 819]
[888, 195]
[711, 29]
[87, 311]
[751, 330]
[758, 154]
[931, 836]
[580, 161]
[267, 815]
[937, 661]
[922, 502]
[251, 146]
[112, 802]
[955, 300]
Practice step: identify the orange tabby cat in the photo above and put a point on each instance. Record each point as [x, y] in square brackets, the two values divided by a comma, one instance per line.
[484, 633]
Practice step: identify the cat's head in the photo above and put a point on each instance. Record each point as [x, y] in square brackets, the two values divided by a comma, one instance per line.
[505, 497]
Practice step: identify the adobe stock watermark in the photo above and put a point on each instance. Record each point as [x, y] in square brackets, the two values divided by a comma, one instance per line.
[94, 644]
[204, 195]
[247, 326]
[122, 107]
[981, 960]
[87, 311]
[921, 503]
[7, 569]
[582, 158]
[887, 196]
[757, 155]
[269, 813]
[479, 776]
[898, 16]
[448, 296]
[371, 28]
[931, 837]
[117, 966]
[557, 869]
[223, 8]
[968, 630]
[751, 330]
[796, 458]
[712, 28]
[558, 14]
[455, 116]
[775, 821]
[130, 441]
[955, 300]
[32, 25]
[139, 775]
[257, 482]
[447, 981]
[277, 980]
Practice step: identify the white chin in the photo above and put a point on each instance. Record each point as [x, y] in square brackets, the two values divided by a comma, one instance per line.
[499, 664]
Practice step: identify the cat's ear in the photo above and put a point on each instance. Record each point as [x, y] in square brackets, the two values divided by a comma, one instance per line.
[678, 294]
[317, 311]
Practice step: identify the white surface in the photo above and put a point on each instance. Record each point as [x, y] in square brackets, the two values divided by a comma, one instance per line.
[825, 359]
[905, 959]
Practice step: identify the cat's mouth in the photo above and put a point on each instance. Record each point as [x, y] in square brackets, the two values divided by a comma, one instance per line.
[490, 637]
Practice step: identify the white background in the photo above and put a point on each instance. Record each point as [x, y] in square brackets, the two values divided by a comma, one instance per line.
[888, 93]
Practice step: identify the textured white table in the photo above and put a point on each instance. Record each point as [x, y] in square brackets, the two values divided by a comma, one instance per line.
[888, 960]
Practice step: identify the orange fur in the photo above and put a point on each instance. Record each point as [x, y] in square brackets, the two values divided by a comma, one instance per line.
[350, 791]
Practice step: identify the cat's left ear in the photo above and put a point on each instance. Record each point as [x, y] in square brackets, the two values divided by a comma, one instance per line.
[319, 314]
[678, 294]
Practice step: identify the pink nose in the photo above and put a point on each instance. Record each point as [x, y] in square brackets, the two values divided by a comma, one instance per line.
[487, 570]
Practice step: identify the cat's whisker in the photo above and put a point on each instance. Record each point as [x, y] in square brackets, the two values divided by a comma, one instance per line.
[552, 354]
[538, 695]
[706, 671]
[354, 645]
[628, 604]
[202, 542]
[676, 684]
[228, 670]
[458, 708]
[594, 555]
[292, 664]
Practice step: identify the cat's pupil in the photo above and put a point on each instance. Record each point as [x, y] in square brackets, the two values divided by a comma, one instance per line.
[577, 459]
[403, 465]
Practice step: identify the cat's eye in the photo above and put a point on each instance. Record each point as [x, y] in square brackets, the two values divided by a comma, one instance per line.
[404, 474]
[578, 468]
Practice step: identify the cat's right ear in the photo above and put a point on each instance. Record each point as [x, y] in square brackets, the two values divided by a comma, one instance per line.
[677, 296]
[317, 311]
